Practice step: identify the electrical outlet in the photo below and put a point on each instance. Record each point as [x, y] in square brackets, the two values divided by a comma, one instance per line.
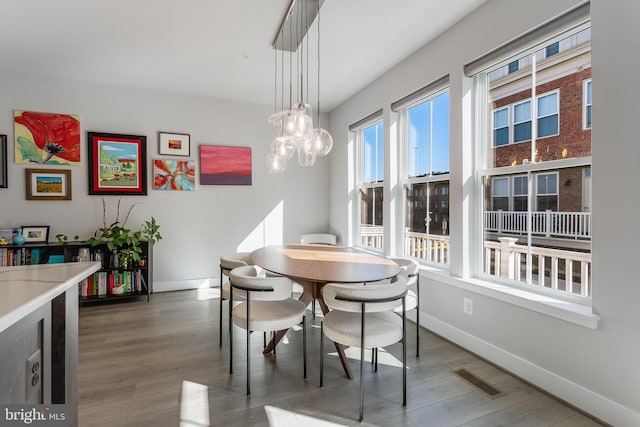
[34, 377]
[468, 306]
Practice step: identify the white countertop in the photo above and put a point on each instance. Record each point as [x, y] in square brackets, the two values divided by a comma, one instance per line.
[26, 288]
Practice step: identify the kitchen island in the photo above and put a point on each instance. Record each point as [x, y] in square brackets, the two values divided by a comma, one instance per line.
[39, 333]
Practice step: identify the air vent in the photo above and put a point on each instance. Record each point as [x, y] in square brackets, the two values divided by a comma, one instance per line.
[490, 390]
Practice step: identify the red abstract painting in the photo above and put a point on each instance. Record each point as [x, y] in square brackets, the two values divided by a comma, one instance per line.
[47, 138]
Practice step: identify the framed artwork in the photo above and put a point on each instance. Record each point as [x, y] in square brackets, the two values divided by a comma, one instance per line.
[174, 144]
[224, 165]
[48, 184]
[117, 164]
[8, 234]
[35, 233]
[3, 161]
[177, 175]
[46, 138]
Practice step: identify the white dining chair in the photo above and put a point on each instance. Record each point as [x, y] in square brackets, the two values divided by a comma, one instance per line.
[410, 269]
[267, 307]
[362, 315]
[228, 263]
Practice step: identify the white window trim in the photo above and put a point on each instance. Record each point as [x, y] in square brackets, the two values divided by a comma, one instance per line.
[557, 113]
[508, 126]
[585, 84]
[515, 104]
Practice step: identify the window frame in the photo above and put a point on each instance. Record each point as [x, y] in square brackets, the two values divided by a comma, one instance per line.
[587, 88]
[539, 117]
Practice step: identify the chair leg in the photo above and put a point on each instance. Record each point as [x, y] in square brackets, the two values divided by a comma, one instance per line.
[404, 353]
[248, 345]
[313, 307]
[362, 333]
[418, 315]
[230, 349]
[274, 343]
[220, 329]
[304, 344]
[375, 353]
[321, 353]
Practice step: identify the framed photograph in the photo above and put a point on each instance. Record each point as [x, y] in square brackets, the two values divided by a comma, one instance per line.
[3, 161]
[35, 233]
[48, 184]
[222, 165]
[174, 144]
[117, 164]
[47, 138]
[174, 175]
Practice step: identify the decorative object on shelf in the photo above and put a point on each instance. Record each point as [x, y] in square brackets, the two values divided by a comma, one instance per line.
[123, 240]
[8, 234]
[35, 233]
[293, 127]
[48, 184]
[174, 175]
[19, 238]
[174, 144]
[3, 161]
[224, 165]
[117, 164]
[48, 138]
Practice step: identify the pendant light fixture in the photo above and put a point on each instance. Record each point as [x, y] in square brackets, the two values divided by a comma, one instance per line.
[293, 127]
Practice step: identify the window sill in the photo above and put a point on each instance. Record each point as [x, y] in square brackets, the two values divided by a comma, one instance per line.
[571, 312]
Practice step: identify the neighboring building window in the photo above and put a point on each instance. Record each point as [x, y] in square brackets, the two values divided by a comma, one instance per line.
[513, 67]
[587, 104]
[547, 191]
[548, 118]
[371, 149]
[425, 133]
[537, 183]
[520, 193]
[552, 49]
[501, 127]
[522, 121]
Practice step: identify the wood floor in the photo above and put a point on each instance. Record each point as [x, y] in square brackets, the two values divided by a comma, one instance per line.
[159, 364]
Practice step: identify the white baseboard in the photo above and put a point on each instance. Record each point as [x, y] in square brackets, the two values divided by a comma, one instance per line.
[183, 285]
[590, 402]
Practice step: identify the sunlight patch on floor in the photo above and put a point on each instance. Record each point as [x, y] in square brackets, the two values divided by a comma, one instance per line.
[205, 292]
[194, 405]
[384, 357]
[279, 417]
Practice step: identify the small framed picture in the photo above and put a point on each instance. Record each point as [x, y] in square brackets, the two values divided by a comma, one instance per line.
[48, 184]
[174, 144]
[8, 234]
[35, 233]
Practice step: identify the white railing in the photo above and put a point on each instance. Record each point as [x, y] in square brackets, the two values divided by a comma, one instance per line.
[560, 269]
[573, 225]
[429, 247]
[371, 236]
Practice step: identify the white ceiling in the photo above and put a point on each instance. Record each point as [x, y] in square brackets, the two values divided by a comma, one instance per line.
[200, 46]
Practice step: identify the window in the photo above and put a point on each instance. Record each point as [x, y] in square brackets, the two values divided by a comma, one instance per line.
[535, 176]
[371, 178]
[522, 121]
[587, 105]
[425, 139]
[501, 126]
[548, 115]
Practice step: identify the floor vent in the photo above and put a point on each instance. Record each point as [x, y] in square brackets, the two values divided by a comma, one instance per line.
[490, 390]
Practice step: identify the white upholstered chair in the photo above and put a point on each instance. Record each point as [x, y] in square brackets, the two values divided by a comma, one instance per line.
[319, 238]
[362, 315]
[267, 306]
[228, 263]
[409, 269]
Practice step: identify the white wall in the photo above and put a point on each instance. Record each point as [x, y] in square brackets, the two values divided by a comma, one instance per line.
[197, 226]
[596, 370]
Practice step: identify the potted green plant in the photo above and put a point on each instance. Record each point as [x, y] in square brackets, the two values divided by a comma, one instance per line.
[123, 242]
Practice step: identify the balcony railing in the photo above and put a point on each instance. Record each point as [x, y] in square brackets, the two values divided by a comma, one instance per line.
[572, 225]
[560, 269]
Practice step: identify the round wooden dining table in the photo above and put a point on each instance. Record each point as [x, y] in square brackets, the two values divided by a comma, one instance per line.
[314, 265]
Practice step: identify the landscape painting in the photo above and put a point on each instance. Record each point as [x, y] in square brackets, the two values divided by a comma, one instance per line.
[225, 165]
[46, 138]
[117, 164]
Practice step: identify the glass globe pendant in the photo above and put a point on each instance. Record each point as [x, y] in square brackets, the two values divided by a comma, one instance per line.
[274, 165]
[321, 141]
